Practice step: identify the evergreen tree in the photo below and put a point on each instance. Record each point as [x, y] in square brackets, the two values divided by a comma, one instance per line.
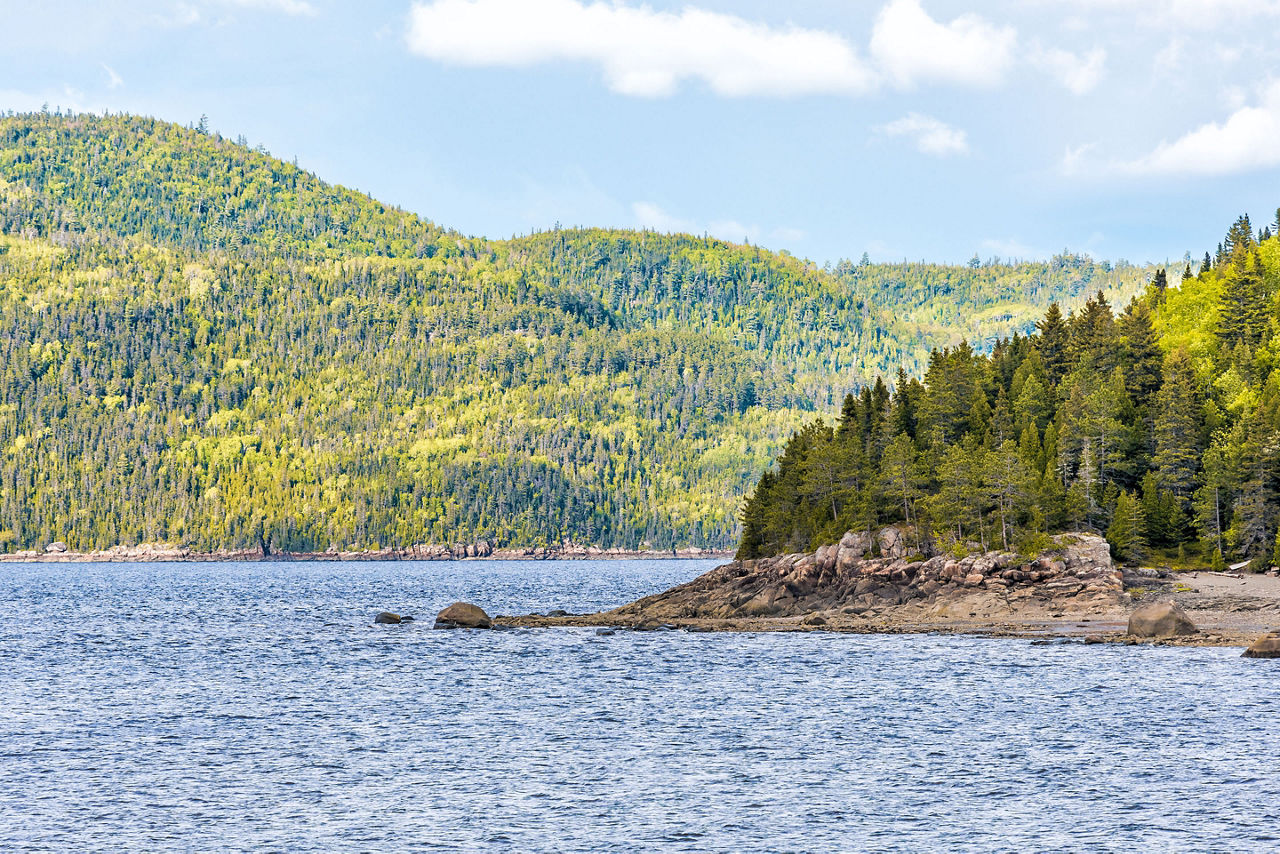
[1052, 343]
[1177, 428]
[1127, 532]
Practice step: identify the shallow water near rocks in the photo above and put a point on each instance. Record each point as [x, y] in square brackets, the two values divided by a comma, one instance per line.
[255, 707]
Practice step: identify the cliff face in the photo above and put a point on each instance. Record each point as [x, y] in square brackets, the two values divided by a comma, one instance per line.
[1076, 575]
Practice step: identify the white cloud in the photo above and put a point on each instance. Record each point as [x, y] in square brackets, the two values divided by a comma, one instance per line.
[288, 7]
[1249, 139]
[651, 216]
[912, 47]
[641, 51]
[114, 80]
[1079, 74]
[648, 215]
[1179, 13]
[1075, 160]
[931, 136]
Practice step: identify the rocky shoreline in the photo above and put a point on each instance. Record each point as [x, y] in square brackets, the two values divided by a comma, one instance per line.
[1072, 591]
[169, 553]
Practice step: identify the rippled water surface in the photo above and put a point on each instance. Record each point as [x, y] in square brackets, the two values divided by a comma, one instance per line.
[255, 707]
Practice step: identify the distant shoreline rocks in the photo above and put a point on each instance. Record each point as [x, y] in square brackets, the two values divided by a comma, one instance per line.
[59, 552]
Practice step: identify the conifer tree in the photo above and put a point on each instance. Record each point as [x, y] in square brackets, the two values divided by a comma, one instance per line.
[1177, 427]
[1052, 343]
[1127, 531]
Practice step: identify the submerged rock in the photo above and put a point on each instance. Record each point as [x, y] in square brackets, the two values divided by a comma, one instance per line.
[1160, 620]
[462, 615]
[387, 618]
[1267, 646]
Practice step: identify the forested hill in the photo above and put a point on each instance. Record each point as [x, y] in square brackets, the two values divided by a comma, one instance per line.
[1159, 426]
[205, 345]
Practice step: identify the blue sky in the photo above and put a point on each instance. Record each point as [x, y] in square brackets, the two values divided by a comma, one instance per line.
[920, 129]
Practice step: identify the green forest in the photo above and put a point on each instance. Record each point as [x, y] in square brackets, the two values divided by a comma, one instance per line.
[1158, 425]
[205, 345]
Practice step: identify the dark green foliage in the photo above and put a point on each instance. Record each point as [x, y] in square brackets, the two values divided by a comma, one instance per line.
[1158, 427]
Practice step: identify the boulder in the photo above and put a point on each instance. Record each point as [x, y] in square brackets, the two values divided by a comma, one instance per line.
[387, 618]
[1159, 620]
[1267, 646]
[56, 548]
[892, 542]
[462, 615]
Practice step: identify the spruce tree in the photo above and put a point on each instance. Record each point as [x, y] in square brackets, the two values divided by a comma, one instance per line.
[1127, 531]
[1177, 427]
[1052, 343]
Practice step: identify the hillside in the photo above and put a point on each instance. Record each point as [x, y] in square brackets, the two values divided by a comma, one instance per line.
[1159, 426]
[205, 345]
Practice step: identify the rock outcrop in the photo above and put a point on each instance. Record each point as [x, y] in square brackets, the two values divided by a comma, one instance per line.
[56, 548]
[462, 615]
[1267, 646]
[1077, 574]
[386, 618]
[1160, 620]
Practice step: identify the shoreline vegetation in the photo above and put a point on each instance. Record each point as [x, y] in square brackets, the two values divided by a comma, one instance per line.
[1157, 426]
[168, 553]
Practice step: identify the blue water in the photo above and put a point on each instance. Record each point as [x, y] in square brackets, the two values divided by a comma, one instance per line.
[254, 707]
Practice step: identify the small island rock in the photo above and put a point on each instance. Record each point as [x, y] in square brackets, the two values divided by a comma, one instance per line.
[1267, 646]
[1159, 620]
[387, 618]
[462, 615]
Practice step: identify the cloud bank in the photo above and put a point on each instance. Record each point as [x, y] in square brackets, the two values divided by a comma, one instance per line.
[641, 52]
[1248, 139]
[649, 53]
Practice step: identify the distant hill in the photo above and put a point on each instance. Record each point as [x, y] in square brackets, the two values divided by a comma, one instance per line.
[206, 345]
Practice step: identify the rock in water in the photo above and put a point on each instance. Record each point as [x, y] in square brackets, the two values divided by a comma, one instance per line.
[1160, 620]
[1267, 646]
[462, 615]
[388, 618]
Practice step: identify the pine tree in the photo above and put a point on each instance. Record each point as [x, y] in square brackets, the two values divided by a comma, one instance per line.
[1160, 282]
[1177, 427]
[1141, 357]
[1243, 312]
[1127, 531]
[1053, 342]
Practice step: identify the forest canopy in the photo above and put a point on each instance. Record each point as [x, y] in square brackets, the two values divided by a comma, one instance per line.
[1158, 425]
[203, 344]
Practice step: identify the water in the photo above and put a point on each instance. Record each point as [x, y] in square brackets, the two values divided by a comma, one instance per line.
[254, 707]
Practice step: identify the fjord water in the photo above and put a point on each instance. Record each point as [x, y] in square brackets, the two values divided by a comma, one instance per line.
[255, 707]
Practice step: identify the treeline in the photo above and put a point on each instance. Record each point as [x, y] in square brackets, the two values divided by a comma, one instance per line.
[1159, 426]
[202, 344]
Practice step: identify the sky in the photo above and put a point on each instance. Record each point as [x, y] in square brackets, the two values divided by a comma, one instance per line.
[906, 129]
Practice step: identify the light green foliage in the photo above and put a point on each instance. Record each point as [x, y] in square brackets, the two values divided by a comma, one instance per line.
[206, 345]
